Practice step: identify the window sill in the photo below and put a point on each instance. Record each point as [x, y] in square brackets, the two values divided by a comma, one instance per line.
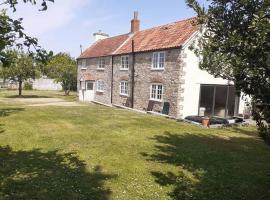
[100, 69]
[156, 100]
[153, 69]
[99, 91]
[123, 69]
[84, 68]
[124, 95]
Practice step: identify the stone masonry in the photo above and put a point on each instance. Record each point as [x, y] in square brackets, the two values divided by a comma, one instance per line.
[171, 78]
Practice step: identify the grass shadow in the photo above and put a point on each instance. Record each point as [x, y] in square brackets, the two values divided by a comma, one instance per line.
[5, 112]
[27, 96]
[51, 175]
[244, 131]
[211, 167]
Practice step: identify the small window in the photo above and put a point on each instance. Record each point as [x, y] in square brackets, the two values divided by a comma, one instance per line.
[101, 63]
[158, 60]
[124, 88]
[89, 85]
[83, 64]
[156, 92]
[124, 62]
[100, 86]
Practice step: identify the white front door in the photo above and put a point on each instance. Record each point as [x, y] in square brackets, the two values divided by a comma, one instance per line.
[89, 91]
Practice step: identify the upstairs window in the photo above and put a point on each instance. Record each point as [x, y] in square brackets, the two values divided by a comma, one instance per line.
[124, 88]
[156, 92]
[100, 86]
[124, 63]
[82, 64]
[158, 60]
[101, 63]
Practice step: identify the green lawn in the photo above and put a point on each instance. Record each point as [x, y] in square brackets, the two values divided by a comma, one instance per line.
[94, 152]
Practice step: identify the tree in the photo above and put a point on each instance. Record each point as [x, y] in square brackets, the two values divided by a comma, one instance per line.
[62, 67]
[235, 45]
[21, 67]
[12, 33]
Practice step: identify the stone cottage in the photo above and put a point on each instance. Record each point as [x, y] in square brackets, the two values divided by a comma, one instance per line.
[154, 70]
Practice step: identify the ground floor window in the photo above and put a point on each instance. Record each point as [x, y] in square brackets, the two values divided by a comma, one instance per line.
[100, 86]
[218, 100]
[89, 85]
[124, 88]
[156, 92]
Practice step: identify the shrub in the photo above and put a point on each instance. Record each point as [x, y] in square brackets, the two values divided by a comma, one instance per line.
[28, 86]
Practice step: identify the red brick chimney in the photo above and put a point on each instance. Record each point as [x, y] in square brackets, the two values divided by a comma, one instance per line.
[135, 23]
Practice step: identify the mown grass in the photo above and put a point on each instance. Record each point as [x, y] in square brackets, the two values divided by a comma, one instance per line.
[12, 94]
[95, 152]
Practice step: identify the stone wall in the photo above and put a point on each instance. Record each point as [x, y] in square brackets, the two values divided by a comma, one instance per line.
[171, 78]
[98, 74]
[118, 76]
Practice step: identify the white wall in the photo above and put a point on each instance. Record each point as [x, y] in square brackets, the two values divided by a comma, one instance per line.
[193, 78]
[46, 84]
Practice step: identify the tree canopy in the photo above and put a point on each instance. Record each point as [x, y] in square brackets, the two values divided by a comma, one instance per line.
[63, 68]
[235, 45]
[20, 68]
[12, 32]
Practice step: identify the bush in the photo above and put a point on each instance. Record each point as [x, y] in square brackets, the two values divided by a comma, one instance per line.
[28, 86]
[261, 113]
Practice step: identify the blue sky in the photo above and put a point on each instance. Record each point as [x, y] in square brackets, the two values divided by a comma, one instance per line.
[68, 23]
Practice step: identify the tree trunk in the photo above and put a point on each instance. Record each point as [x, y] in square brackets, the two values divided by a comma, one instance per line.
[20, 87]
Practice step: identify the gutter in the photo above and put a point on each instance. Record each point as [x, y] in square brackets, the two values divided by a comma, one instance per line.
[132, 75]
[112, 80]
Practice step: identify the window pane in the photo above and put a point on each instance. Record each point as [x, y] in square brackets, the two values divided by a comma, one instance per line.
[101, 63]
[220, 101]
[155, 60]
[124, 87]
[231, 101]
[161, 60]
[206, 100]
[153, 93]
[89, 85]
[159, 92]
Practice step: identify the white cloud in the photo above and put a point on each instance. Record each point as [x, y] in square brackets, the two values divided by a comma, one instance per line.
[59, 14]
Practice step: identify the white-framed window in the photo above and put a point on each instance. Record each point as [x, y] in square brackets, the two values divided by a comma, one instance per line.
[101, 63]
[156, 92]
[124, 63]
[158, 60]
[100, 86]
[124, 88]
[82, 64]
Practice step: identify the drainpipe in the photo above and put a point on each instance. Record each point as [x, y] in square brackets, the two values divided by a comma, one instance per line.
[132, 75]
[112, 81]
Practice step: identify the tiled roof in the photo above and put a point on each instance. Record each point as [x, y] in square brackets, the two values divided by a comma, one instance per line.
[162, 37]
[104, 47]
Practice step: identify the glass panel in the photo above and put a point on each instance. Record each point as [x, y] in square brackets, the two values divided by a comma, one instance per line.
[155, 60]
[159, 92]
[231, 101]
[220, 101]
[206, 100]
[153, 94]
[89, 85]
[161, 60]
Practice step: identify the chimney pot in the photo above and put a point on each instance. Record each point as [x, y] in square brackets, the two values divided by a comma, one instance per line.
[135, 23]
[100, 36]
